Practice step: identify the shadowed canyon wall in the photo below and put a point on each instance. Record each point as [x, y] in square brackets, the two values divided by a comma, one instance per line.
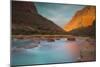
[26, 20]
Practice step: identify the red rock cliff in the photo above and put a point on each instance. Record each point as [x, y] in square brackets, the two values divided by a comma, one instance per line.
[82, 18]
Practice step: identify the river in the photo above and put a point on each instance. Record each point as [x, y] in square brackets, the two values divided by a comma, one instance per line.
[46, 52]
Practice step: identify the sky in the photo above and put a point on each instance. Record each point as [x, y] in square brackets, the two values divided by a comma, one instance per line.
[60, 14]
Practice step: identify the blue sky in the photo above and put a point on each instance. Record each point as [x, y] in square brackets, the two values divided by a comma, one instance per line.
[60, 14]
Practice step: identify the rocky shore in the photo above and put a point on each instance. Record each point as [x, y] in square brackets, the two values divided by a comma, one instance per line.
[88, 51]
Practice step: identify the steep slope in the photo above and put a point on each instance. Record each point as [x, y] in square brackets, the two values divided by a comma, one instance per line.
[82, 18]
[85, 31]
[26, 20]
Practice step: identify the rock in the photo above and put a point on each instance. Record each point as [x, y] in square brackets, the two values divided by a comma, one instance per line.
[71, 39]
[50, 40]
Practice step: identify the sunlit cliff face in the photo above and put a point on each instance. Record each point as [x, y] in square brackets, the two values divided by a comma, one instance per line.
[82, 18]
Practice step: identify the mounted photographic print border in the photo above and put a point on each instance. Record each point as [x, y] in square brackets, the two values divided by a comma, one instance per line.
[52, 33]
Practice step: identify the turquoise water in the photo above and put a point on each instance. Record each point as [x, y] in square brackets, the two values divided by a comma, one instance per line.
[45, 53]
